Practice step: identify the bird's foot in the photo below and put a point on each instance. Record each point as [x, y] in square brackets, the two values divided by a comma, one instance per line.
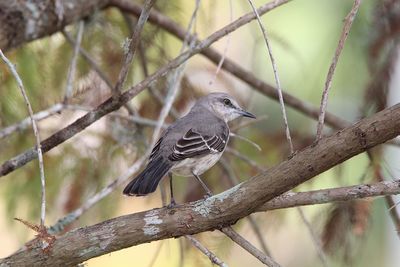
[207, 195]
[172, 204]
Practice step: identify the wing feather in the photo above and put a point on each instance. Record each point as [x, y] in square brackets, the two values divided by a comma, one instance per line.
[194, 144]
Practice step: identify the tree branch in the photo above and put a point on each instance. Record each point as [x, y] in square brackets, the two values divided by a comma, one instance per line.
[322, 196]
[217, 211]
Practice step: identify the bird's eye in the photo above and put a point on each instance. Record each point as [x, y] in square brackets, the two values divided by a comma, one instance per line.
[227, 102]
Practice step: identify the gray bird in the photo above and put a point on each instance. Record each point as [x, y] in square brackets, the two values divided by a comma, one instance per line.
[191, 145]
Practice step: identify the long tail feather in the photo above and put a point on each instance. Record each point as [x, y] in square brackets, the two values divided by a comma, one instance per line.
[147, 181]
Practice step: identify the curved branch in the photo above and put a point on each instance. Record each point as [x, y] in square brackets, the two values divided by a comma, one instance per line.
[217, 211]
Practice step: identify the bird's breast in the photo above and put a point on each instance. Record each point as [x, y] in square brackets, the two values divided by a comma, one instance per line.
[197, 165]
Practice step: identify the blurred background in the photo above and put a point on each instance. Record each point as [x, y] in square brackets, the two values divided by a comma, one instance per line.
[303, 34]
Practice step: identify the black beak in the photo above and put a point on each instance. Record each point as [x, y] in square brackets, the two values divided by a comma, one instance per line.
[244, 113]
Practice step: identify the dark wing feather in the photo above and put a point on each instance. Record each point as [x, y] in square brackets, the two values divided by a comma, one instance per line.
[193, 144]
[156, 148]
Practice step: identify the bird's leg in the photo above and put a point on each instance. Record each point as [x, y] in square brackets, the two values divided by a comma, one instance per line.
[172, 203]
[208, 191]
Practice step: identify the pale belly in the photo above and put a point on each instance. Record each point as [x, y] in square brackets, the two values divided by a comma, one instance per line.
[196, 165]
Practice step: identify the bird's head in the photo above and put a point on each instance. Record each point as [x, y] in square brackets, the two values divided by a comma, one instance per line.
[225, 106]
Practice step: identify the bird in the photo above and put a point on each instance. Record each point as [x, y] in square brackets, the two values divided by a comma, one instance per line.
[191, 145]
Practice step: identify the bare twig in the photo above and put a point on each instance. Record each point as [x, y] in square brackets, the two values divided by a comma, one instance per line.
[394, 214]
[314, 236]
[345, 32]
[213, 258]
[156, 254]
[153, 91]
[245, 158]
[35, 132]
[92, 63]
[278, 83]
[133, 44]
[234, 181]
[238, 239]
[256, 228]
[25, 123]
[89, 60]
[74, 60]
[228, 40]
[246, 140]
[132, 118]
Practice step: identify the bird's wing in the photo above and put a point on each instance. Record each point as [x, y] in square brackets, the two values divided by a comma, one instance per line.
[156, 148]
[194, 144]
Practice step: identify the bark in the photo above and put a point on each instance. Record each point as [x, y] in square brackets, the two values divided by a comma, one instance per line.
[218, 211]
[24, 21]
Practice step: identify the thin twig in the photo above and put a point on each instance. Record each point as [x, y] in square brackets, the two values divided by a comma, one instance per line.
[132, 118]
[133, 44]
[394, 213]
[25, 123]
[156, 254]
[228, 40]
[213, 258]
[245, 158]
[238, 239]
[345, 32]
[92, 63]
[246, 140]
[278, 83]
[234, 181]
[152, 89]
[74, 60]
[314, 236]
[174, 80]
[35, 132]
[241, 241]
[256, 228]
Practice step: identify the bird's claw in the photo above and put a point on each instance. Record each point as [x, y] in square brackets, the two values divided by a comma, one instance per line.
[172, 204]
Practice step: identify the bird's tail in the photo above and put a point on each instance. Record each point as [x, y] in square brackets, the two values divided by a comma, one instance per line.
[146, 182]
